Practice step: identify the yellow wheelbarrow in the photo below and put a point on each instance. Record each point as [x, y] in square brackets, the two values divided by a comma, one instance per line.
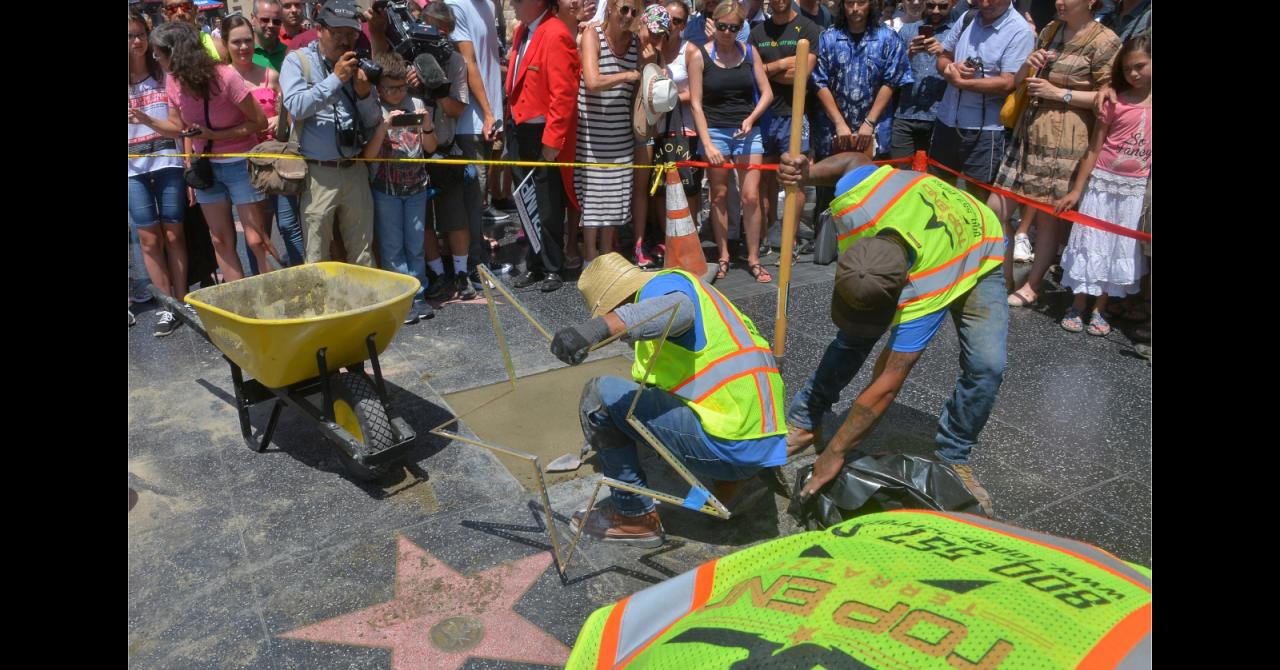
[292, 331]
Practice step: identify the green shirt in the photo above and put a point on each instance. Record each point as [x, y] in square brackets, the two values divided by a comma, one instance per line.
[272, 59]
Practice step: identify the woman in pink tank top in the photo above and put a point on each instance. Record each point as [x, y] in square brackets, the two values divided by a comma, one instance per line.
[264, 83]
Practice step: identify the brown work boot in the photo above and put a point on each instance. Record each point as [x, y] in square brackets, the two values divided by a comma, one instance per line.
[799, 439]
[607, 525]
[965, 473]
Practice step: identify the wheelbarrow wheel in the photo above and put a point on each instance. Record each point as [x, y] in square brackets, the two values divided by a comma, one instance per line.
[358, 410]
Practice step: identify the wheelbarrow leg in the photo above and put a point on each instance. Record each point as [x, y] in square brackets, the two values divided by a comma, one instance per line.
[271, 423]
[326, 409]
[242, 408]
[377, 370]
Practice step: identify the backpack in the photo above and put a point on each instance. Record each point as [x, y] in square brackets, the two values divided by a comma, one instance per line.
[285, 172]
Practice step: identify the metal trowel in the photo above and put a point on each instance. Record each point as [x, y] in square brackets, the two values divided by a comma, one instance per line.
[569, 462]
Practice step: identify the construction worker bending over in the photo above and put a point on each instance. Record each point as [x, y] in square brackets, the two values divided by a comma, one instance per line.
[913, 248]
[714, 397]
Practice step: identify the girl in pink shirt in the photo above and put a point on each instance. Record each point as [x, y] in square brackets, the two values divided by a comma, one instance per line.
[232, 122]
[1111, 185]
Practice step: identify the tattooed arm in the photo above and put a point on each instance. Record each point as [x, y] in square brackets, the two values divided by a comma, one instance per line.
[891, 372]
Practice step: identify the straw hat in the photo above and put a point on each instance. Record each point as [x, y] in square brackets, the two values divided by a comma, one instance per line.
[609, 281]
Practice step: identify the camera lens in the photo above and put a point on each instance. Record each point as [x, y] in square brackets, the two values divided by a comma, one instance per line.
[372, 71]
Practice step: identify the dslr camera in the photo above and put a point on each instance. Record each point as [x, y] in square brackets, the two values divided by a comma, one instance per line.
[372, 71]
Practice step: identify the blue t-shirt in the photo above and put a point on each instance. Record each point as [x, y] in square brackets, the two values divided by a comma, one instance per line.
[763, 452]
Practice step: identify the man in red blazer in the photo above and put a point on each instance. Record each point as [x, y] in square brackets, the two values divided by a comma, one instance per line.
[542, 95]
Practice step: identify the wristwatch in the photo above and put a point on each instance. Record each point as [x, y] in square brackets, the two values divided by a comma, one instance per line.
[1066, 97]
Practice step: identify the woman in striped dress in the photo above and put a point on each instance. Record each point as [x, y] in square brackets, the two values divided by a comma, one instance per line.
[604, 125]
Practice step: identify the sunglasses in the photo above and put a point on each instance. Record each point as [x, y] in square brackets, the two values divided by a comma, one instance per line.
[935, 5]
[728, 27]
[678, 22]
[137, 36]
[628, 11]
[174, 9]
[275, 22]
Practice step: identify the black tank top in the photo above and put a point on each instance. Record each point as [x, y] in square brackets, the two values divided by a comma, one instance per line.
[728, 94]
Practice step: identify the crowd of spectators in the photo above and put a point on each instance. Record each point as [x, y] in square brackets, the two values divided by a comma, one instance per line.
[569, 83]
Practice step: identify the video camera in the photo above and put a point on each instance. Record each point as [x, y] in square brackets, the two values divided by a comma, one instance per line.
[418, 43]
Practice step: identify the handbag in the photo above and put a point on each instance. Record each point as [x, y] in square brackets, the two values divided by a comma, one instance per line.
[200, 174]
[284, 173]
[1017, 101]
[673, 146]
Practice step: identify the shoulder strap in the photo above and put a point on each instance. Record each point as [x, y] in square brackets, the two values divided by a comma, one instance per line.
[208, 145]
[968, 19]
[305, 61]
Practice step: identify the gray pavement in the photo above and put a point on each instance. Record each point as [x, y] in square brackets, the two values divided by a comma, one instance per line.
[281, 560]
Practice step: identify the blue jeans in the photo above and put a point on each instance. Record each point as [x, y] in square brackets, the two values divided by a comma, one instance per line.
[399, 224]
[603, 412]
[982, 321]
[290, 228]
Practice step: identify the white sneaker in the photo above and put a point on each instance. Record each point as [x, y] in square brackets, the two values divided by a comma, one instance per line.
[1022, 249]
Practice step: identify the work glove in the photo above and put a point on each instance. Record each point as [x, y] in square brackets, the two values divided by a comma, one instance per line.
[571, 344]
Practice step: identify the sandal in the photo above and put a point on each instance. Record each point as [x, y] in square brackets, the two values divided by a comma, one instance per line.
[1072, 322]
[724, 270]
[1020, 299]
[762, 275]
[1098, 325]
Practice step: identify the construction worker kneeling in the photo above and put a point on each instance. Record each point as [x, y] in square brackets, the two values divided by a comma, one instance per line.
[714, 396]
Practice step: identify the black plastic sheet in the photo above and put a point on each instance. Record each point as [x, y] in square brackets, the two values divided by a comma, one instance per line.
[881, 483]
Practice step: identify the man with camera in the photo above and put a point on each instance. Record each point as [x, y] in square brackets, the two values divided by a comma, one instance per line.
[330, 98]
[980, 56]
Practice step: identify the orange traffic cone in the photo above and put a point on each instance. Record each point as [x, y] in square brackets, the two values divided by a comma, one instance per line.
[684, 249]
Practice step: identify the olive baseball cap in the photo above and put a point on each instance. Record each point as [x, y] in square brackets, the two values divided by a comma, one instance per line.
[869, 279]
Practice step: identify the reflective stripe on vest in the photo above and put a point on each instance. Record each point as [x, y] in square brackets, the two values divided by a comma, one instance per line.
[740, 354]
[641, 618]
[933, 281]
[868, 211]
[934, 219]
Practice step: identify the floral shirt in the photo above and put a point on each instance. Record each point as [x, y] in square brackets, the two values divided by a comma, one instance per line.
[854, 69]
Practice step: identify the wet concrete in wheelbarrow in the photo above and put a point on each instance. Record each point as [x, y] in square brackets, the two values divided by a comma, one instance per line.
[281, 560]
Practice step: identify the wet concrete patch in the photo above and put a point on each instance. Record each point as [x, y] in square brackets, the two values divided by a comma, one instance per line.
[539, 416]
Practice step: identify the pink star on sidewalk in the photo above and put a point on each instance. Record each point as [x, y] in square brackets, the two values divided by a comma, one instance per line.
[440, 618]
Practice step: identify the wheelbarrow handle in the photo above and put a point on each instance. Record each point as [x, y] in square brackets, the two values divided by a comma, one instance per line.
[179, 311]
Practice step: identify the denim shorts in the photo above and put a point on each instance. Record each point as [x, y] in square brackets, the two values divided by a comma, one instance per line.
[230, 178]
[777, 135]
[723, 140]
[157, 196]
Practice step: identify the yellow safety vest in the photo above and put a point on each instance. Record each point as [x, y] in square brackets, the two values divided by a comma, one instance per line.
[904, 589]
[732, 383]
[957, 240]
